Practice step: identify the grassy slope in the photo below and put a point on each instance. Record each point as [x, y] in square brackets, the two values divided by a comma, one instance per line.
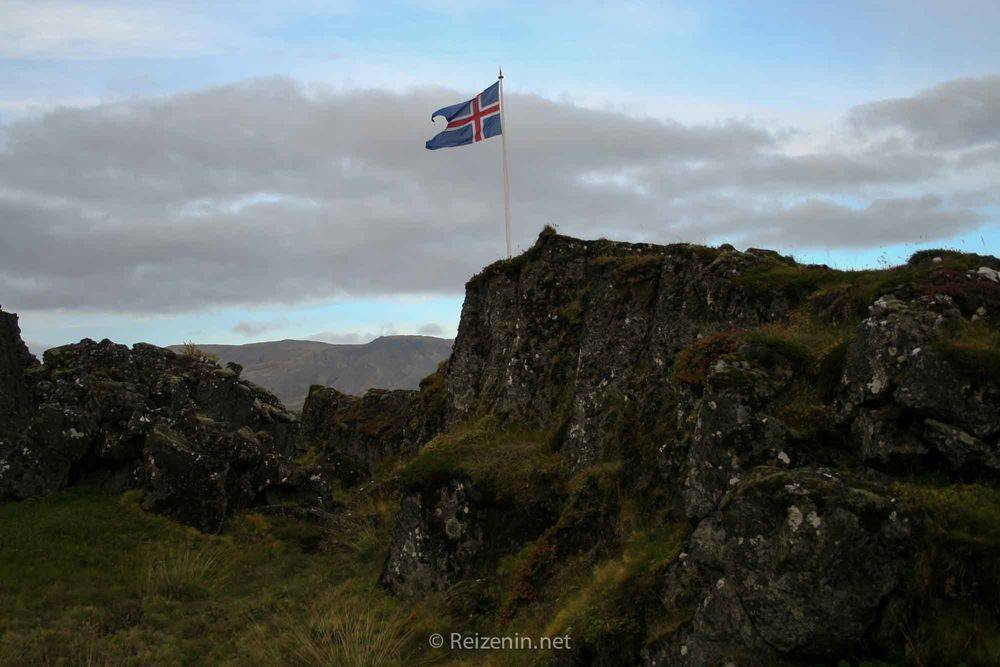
[88, 578]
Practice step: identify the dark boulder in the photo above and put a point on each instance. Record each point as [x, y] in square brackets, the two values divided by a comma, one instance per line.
[733, 431]
[201, 441]
[906, 393]
[439, 532]
[794, 566]
[582, 334]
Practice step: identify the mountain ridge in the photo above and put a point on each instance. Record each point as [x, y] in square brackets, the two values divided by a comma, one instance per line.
[288, 367]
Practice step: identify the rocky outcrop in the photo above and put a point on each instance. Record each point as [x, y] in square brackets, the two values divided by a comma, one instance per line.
[15, 394]
[352, 434]
[680, 455]
[585, 331]
[201, 441]
[437, 536]
[909, 393]
[796, 566]
[770, 406]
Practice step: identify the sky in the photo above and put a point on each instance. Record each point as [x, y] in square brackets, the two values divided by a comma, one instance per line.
[231, 172]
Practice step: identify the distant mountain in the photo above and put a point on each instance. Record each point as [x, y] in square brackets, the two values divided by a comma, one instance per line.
[288, 367]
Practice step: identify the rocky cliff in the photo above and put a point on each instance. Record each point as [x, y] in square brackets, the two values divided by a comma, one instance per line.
[15, 395]
[759, 460]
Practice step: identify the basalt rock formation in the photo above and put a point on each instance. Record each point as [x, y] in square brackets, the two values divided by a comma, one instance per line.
[738, 445]
[15, 360]
[352, 434]
[197, 438]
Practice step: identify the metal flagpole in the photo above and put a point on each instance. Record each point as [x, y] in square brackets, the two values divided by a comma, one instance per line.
[506, 173]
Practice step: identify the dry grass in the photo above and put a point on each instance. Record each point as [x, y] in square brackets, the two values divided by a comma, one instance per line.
[195, 352]
[337, 631]
[183, 573]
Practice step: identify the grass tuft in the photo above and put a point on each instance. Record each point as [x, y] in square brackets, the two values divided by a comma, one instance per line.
[189, 349]
[184, 573]
[337, 631]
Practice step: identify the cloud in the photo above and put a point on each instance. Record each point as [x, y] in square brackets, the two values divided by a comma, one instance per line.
[36, 29]
[36, 348]
[819, 223]
[269, 191]
[431, 329]
[352, 337]
[253, 329]
[956, 114]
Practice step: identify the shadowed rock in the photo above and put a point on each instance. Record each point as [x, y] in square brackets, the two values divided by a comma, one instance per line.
[201, 441]
[15, 394]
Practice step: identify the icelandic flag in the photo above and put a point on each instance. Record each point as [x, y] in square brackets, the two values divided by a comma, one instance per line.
[469, 122]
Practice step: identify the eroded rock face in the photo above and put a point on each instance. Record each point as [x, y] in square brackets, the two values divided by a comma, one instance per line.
[584, 332]
[795, 566]
[438, 533]
[15, 395]
[905, 398]
[199, 439]
[733, 432]
[352, 434]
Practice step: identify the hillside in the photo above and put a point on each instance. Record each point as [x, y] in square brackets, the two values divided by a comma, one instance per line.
[666, 455]
[289, 367]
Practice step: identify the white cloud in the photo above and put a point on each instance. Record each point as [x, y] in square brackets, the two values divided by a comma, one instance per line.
[35, 29]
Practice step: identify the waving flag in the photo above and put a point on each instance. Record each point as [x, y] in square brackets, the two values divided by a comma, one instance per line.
[469, 122]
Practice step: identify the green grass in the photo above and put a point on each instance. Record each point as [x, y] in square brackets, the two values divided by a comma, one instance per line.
[974, 349]
[340, 630]
[184, 573]
[87, 577]
[607, 605]
[957, 578]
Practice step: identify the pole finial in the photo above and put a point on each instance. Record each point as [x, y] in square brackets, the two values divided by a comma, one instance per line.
[501, 73]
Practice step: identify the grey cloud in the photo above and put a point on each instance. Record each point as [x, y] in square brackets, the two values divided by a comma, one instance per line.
[271, 192]
[251, 329]
[819, 223]
[772, 172]
[956, 114]
[430, 329]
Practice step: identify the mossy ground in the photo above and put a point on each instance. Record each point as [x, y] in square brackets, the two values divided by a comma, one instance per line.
[509, 463]
[843, 297]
